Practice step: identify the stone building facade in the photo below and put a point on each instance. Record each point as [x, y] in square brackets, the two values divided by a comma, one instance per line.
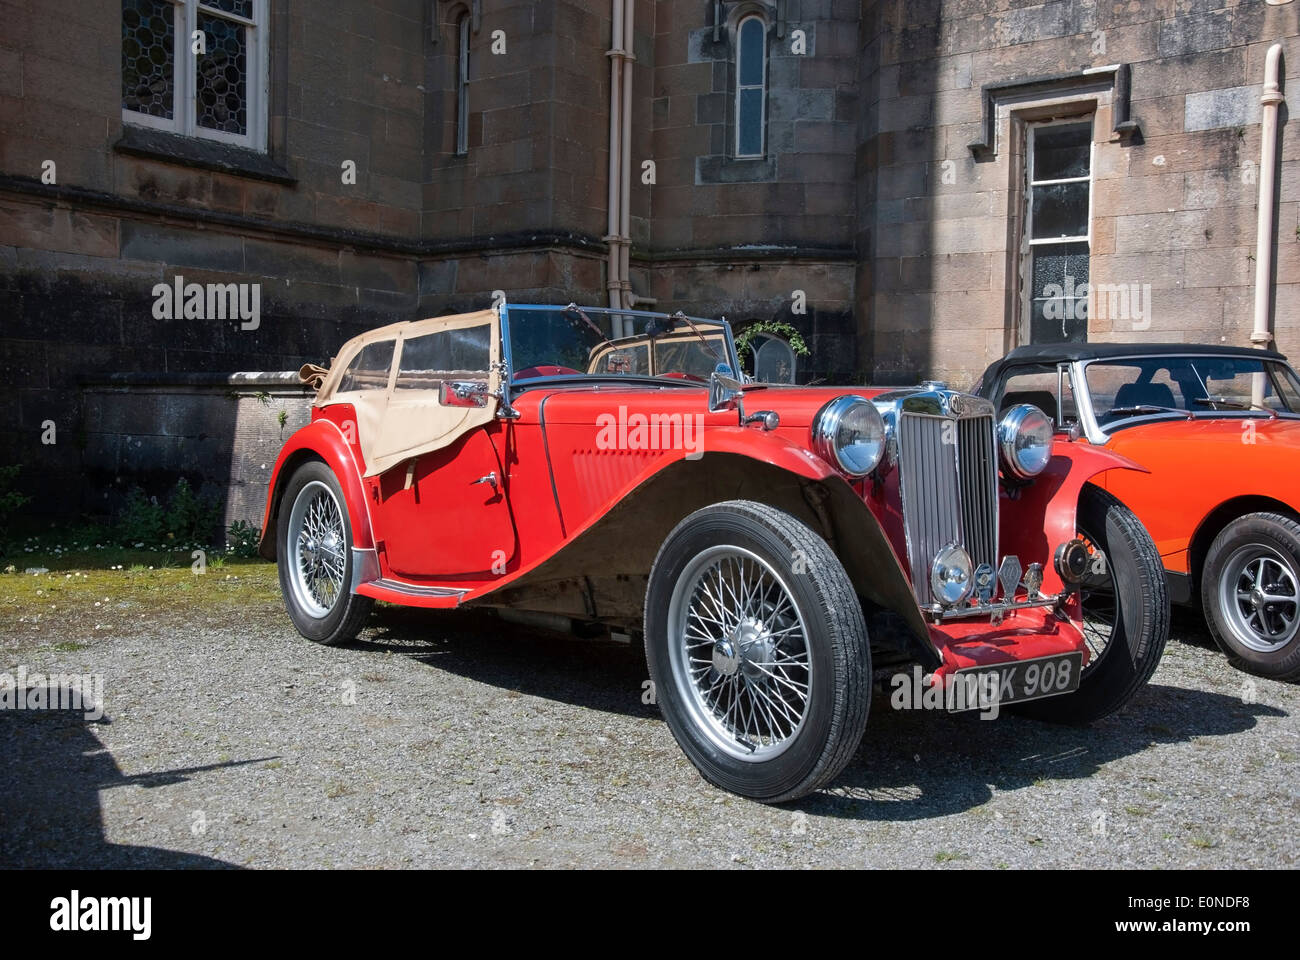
[863, 170]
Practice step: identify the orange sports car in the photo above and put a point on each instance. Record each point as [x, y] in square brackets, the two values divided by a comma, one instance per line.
[1218, 428]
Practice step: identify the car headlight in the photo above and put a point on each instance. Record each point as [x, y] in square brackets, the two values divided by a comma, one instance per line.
[849, 433]
[950, 576]
[1025, 439]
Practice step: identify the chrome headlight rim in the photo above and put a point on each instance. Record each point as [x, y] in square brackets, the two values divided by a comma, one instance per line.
[826, 428]
[1016, 423]
[951, 558]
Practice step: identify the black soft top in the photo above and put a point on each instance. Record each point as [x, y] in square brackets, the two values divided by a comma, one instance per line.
[1069, 352]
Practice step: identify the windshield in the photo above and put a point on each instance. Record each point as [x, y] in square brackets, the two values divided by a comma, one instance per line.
[1196, 385]
[598, 341]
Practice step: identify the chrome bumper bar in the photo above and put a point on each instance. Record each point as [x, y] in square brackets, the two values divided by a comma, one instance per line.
[995, 611]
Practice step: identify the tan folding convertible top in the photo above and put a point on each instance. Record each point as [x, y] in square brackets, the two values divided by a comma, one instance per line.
[396, 423]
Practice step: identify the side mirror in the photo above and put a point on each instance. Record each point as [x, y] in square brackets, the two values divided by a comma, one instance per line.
[463, 393]
[726, 393]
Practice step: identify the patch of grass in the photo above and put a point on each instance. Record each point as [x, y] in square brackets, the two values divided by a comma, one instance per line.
[1135, 811]
[337, 789]
[69, 646]
[94, 597]
[947, 856]
[1203, 842]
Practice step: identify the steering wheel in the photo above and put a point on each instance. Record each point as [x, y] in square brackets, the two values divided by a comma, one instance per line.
[543, 370]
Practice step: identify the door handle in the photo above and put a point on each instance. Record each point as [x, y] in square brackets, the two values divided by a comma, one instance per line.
[490, 478]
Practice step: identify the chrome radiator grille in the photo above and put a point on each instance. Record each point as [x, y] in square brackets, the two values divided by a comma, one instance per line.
[948, 478]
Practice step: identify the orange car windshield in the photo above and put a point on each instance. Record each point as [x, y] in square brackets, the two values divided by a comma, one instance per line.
[1188, 385]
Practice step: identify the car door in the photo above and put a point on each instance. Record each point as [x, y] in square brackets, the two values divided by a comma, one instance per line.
[442, 507]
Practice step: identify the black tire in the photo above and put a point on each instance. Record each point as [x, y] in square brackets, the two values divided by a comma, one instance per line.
[1141, 618]
[347, 613]
[1276, 538]
[831, 640]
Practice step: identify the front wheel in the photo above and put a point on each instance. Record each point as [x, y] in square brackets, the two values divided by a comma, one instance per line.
[1250, 588]
[758, 651]
[1125, 603]
[313, 541]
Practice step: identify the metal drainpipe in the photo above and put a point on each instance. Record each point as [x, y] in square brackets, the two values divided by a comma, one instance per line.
[1271, 99]
[615, 55]
[625, 199]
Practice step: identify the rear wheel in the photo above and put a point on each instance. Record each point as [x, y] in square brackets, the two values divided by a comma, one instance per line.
[1250, 588]
[758, 651]
[1125, 613]
[314, 540]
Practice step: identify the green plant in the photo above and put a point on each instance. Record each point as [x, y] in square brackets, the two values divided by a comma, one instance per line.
[778, 328]
[141, 519]
[242, 539]
[187, 519]
[282, 417]
[190, 518]
[10, 499]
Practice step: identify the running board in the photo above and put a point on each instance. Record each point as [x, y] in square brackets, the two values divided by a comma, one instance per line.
[415, 590]
[367, 580]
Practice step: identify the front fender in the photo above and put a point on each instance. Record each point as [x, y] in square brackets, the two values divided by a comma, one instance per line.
[737, 464]
[1040, 516]
[320, 440]
[770, 448]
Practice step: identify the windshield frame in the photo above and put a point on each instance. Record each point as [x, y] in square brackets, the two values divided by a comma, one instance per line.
[1099, 434]
[603, 378]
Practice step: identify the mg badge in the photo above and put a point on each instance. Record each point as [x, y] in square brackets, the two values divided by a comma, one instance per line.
[1034, 580]
[1009, 576]
[984, 582]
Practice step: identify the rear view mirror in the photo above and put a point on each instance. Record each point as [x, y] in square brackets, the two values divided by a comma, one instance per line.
[657, 326]
[463, 393]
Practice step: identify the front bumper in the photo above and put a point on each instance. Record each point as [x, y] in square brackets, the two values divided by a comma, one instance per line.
[1025, 634]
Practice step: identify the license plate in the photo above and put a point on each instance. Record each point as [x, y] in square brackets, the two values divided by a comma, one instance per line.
[1022, 680]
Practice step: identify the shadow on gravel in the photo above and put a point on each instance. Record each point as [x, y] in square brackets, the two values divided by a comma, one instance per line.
[50, 816]
[1188, 625]
[911, 766]
[596, 674]
[914, 766]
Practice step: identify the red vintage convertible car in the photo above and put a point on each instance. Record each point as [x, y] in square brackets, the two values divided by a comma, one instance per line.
[777, 548]
[1218, 429]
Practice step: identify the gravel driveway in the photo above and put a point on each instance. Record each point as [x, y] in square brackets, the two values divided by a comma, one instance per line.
[456, 740]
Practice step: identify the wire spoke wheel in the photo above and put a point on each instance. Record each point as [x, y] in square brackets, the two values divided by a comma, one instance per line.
[738, 645]
[318, 543]
[1260, 593]
[1125, 613]
[1100, 610]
